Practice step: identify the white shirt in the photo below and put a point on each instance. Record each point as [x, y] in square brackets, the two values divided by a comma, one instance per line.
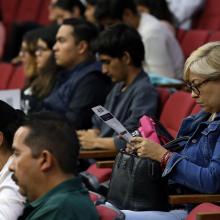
[183, 10]
[11, 201]
[163, 54]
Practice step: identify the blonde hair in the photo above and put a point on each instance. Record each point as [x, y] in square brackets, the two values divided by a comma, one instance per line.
[205, 61]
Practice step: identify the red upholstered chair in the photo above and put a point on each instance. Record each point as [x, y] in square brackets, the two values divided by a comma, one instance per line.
[205, 211]
[197, 108]
[109, 213]
[178, 106]
[6, 70]
[94, 176]
[43, 13]
[215, 36]
[18, 79]
[180, 33]
[8, 9]
[164, 94]
[95, 197]
[192, 40]
[27, 10]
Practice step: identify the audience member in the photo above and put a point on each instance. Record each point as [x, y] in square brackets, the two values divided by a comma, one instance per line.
[45, 156]
[121, 52]
[158, 9]
[82, 85]
[46, 68]
[197, 166]
[64, 9]
[163, 54]
[183, 10]
[11, 202]
[27, 56]
[90, 11]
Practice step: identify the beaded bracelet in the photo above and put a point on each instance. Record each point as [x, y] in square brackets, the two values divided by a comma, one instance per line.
[164, 159]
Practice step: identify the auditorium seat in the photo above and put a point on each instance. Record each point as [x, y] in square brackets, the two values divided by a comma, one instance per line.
[109, 213]
[179, 105]
[18, 79]
[42, 17]
[27, 10]
[215, 36]
[192, 40]
[6, 70]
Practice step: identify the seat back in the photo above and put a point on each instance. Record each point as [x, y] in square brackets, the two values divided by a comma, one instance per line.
[164, 94]
[27, 10]
[6, 70]
[109, 213]
[94, 176]
[43, 13]
[204, 207]
[192, 40]
[178, 106]
[215, 36]
[18, 79]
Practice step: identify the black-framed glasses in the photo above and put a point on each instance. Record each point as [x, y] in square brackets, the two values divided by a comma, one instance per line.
[195, 87]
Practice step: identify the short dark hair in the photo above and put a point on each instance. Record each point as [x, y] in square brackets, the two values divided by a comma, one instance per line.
[118, 39]
[10, 120]
[51, 131]
[113, 9]
[83, 30]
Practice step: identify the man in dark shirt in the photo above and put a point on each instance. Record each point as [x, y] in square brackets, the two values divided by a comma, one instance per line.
[121, 52]
[45, 157]
[82, 85]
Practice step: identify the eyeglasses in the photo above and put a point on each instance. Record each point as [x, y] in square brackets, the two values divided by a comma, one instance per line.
[195, 87]
[40, 50]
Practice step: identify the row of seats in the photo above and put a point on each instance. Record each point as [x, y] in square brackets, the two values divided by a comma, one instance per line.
[192, 39]
[24, 10]
[12, 77]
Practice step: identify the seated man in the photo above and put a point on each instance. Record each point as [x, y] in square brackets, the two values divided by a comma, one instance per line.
[81, 85]
[121, 51]
[46, 151]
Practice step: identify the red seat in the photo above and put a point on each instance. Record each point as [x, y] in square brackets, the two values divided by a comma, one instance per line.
[95, 196]
[215, 36]
[204, 207]
[209, 17]
[209, 23]
[27, 10]
[8, 9]
[178, 106]
[192, 40]
[6, 70]
[43, 13]
[164, 94]
[197, 108]
[18, 79]
[180, 33]
[109, 213]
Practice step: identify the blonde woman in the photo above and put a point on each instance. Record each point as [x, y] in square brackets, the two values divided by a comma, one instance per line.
[197, 166]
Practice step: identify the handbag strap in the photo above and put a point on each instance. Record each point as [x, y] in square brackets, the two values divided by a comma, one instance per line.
[174, 145]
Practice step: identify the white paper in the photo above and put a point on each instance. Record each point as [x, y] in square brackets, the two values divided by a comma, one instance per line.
[12, 97]
[112, 122]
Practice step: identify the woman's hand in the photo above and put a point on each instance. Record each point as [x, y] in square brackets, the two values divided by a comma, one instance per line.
[146, 148]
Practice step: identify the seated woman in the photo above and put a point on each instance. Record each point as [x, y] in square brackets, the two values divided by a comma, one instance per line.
[46, 69]
[197, 165]
[11, 202]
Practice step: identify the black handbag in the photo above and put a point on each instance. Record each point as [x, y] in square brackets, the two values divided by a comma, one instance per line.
[136, 184]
